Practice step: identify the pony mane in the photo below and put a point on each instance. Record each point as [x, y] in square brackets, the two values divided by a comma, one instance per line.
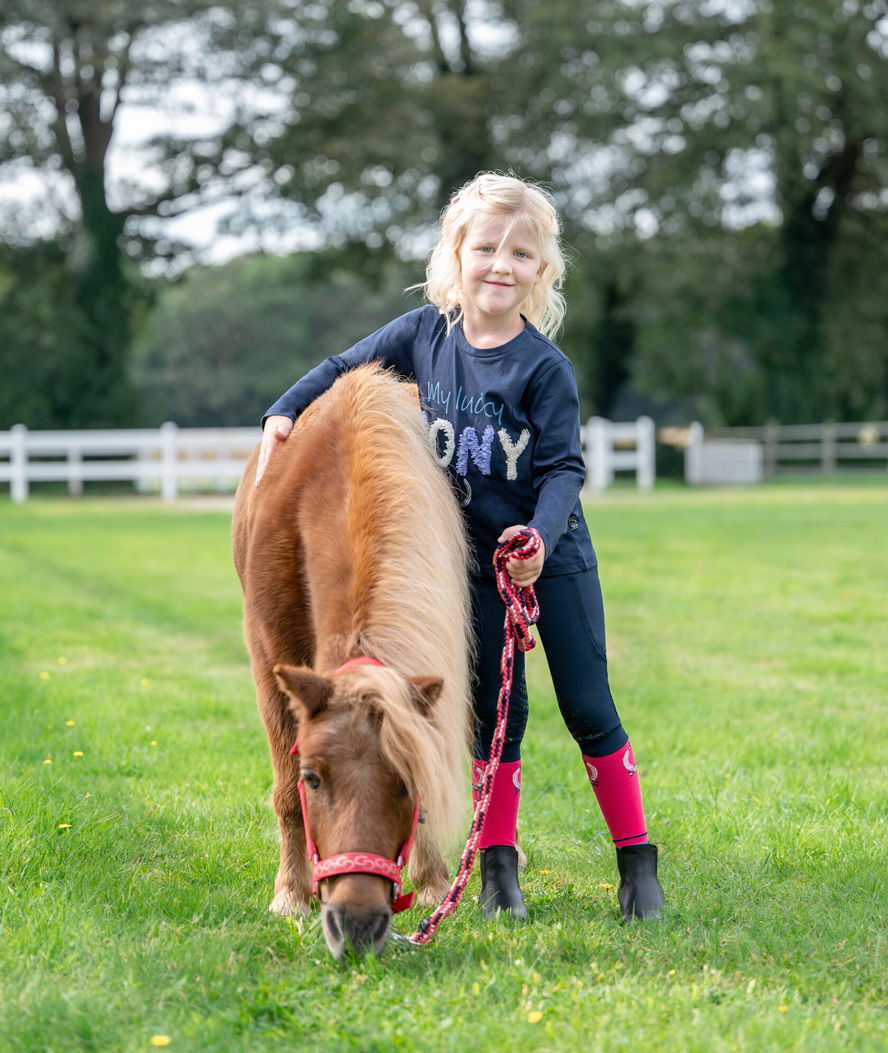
[409, 587]
[411, 742]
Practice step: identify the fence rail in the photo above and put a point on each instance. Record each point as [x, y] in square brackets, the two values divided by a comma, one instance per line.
[165, 458]
[169, 459]
[824, 448]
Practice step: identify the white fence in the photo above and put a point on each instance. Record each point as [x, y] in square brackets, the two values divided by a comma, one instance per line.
[164, 459]
[750, 454]
[170, 459]
[728, 460]
[610, 448]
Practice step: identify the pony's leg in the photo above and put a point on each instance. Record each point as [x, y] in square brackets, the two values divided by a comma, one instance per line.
[292, 886]
[428, 871]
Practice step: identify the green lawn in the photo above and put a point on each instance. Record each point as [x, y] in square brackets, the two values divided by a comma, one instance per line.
[748, 634]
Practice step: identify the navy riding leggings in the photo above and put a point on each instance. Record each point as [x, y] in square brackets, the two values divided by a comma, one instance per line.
[571, 628]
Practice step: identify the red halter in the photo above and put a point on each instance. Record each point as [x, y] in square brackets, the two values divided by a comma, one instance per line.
[358, 862]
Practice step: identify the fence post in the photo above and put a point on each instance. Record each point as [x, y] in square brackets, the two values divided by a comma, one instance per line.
[772, 438]
[645, 447]
[694, 454]
[596, 439]
[828, 448]
[18, 463]
[220, 479]
[142, 482]
[168, 477]
[75, 472]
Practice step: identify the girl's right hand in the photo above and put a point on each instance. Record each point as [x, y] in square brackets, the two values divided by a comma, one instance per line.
[274, 433]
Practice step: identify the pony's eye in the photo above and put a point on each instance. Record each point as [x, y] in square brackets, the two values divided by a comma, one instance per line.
[311, 778]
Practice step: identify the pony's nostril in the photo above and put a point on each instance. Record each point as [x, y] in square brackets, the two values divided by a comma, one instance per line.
[382, 924]
[331, 917]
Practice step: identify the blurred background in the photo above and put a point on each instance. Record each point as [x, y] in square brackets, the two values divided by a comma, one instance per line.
[199, 201]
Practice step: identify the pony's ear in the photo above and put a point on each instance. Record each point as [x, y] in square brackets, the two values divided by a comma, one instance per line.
[427, 693]
[308, 692]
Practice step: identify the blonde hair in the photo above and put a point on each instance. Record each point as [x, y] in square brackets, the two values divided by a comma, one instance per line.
[493, 194]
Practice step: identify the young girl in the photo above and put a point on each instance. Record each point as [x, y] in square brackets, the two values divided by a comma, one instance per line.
[503, 412]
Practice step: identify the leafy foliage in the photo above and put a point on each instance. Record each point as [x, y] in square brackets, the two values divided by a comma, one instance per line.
[224, 342]
[720, 165]
[38, 353]
[66, 68]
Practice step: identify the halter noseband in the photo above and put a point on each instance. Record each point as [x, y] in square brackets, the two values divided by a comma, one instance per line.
[358, 862]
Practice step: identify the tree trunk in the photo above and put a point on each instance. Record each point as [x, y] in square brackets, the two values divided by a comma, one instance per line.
[615, 347]
[808, 239]
[102, 296]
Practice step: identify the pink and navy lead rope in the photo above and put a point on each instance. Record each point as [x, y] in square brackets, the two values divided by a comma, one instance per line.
[522, 611]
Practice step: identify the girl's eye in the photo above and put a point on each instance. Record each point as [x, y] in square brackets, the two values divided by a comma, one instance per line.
[522, 255]
[311, 778]
[485, 248]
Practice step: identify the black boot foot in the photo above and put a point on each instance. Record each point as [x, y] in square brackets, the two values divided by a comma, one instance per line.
[499, 882]
[640, 893]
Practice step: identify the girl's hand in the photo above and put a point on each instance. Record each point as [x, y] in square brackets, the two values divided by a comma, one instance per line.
[274, 433]
[523, 572]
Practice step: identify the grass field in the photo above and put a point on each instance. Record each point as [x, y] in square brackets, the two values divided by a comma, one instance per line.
[748, 635]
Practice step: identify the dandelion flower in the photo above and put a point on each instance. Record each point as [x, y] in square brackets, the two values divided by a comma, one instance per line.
[44, 675]
[62, 661]
[160, 1040]
[69, 723]
[48, 760]
[78, 753]
[606, 886]
[64, 826]
[144, 682]
[545, 871]
[153, 742]
[782, 1008]
[534, 1016]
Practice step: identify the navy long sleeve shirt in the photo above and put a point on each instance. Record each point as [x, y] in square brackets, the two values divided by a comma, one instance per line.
[504, 421]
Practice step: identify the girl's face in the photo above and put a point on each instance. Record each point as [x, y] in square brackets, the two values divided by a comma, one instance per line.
[499, 268]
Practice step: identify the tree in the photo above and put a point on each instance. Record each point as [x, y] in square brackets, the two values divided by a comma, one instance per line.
[389, 105]
[68, 68]
[655, 121]
[39, 356]
[694, 118]
[725, 155]
[224, 342]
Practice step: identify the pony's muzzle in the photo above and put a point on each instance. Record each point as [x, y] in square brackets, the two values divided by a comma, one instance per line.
[351, 930]
[356, 914]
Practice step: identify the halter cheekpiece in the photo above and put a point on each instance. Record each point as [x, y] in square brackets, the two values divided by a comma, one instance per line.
[358, 862]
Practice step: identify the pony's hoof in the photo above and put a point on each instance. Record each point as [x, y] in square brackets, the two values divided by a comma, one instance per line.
[286, 903]
[432, 895]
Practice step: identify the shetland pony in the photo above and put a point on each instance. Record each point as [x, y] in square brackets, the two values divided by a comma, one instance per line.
[353, 546]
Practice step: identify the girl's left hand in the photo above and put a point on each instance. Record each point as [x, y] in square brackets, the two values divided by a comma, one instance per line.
[523, 572]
